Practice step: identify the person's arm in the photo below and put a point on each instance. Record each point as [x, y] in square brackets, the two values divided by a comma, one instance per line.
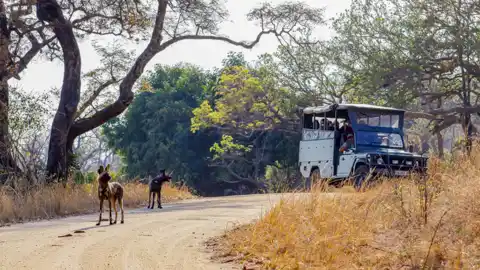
[343, 147]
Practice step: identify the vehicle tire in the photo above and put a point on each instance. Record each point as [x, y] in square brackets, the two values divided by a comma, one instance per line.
[360, 177]
[316, 180]
[308, 183]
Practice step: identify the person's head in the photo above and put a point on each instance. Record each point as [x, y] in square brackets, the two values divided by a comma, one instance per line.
[346, 122]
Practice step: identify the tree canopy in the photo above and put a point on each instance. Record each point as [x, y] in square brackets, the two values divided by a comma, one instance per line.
[154, 133]
[231, 124]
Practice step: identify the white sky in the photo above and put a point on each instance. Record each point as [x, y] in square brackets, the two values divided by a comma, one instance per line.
[41, 75]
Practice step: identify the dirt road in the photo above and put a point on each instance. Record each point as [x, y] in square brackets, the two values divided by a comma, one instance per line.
[168, 238]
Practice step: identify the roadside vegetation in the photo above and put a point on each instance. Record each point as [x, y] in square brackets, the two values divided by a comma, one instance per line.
[46, 202]
[410, 224]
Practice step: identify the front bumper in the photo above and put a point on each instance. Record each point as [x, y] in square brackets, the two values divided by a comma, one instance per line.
[394, 171]
[397, 166]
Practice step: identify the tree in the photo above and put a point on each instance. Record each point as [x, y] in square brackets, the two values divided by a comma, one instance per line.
[155, 131]
[7, 71]
[416, 51]
[256, 119]
[28, 115]
[92, 149]
[174, 21]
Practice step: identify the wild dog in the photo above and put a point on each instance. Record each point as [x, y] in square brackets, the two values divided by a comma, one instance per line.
[155, 187]
[111, 191]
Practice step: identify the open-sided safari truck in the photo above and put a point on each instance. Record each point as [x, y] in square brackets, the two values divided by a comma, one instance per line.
[376, 147]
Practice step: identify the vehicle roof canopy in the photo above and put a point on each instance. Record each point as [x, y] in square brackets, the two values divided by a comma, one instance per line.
[364, 107]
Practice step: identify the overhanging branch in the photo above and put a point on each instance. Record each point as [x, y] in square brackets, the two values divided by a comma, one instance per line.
[126, 94]
[244, 44]
[94, 96]
[459, 110]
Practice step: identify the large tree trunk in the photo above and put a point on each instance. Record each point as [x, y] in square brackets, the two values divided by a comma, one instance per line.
[126, 95]
[7, 162]
[468, 132]
[440, 145]
[424, 144]
[69, 96]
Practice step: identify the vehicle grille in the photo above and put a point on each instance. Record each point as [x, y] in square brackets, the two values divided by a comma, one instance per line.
[402, 163]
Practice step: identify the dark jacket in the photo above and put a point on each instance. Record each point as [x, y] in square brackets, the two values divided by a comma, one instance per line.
[345, 130]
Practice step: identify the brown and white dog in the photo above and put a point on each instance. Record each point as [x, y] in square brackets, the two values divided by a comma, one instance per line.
[111, 191]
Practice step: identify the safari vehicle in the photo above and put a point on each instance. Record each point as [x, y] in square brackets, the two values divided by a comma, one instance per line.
[377, 147]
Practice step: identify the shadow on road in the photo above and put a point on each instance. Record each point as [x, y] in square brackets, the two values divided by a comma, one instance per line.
[178, 207]
[190, 205]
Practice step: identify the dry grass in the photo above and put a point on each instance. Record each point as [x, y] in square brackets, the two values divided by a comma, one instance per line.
[410, 224]
[57, 201]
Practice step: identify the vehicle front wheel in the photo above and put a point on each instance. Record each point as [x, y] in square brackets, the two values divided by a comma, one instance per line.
[361, 178]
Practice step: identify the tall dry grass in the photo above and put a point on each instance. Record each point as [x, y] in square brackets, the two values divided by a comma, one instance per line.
[57, 201]
[432, 223]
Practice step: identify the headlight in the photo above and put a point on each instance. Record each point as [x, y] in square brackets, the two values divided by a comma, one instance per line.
[395, 162]
[417, 163]
[368, 158]
[408, 162]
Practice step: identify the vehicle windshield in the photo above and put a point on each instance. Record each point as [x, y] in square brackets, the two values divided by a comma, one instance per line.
[383, 119]
[389, 140]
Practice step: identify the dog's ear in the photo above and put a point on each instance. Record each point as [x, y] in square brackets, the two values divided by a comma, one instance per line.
[107, 168]
[100, 169]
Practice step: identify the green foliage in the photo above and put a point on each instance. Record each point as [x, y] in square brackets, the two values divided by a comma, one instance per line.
[279, 178]
[234, 59]
[253, 112]
[155, 131]
[84, 178]
[247, 100]
[227, 145]
[73, 164]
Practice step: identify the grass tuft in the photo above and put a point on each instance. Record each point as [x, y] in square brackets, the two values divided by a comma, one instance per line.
[430, 223]
[57, 201]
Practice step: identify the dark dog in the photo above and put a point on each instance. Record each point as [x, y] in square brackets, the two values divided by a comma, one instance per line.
[155, 187]
[109, 191]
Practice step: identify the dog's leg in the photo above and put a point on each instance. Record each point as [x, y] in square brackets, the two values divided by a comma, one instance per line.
[101, 211]
[110, 210]
[159, 200]
[115, 209]
[153, 199]
[120, 202]
[149, 198]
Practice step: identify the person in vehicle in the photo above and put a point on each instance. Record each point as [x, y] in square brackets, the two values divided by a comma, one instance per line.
[346, 129]
[347, 144]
